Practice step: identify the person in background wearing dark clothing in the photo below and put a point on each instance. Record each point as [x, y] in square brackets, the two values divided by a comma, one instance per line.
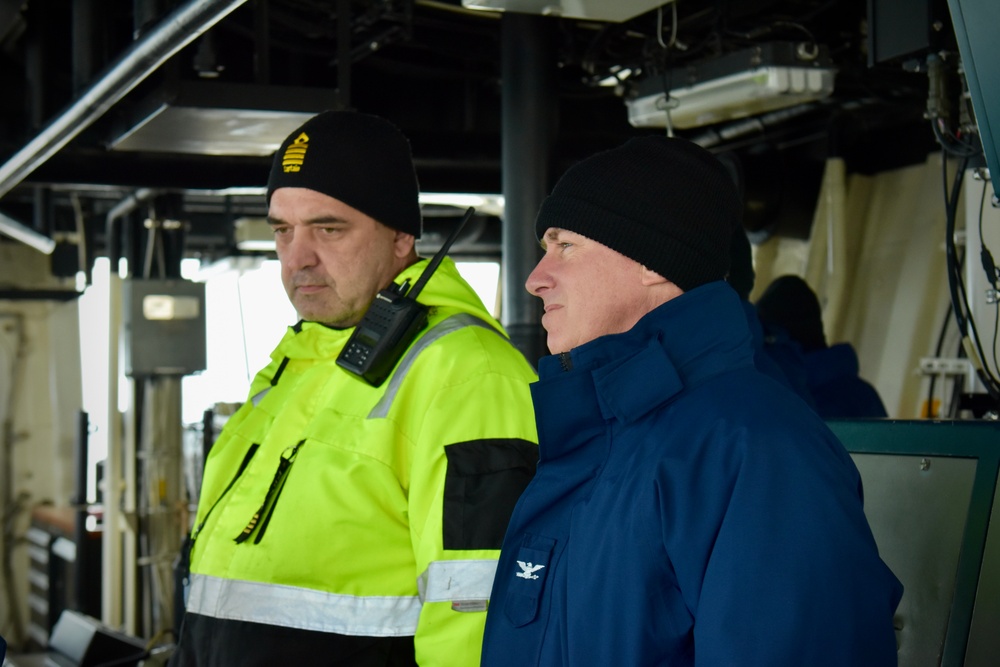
[775, 355]
[782, 359]
[686, 510]
[789, 307]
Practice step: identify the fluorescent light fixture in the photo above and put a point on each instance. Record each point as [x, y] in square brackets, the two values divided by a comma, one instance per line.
[26, 235]
[216, 118]
[733, 96]
[595, 10]
[255, 235]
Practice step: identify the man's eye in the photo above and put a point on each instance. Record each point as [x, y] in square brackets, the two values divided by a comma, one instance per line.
[329, 230]
[279, 231]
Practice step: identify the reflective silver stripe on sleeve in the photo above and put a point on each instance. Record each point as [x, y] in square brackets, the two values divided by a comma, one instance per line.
[303, 608]
[442, 328]
[451, 580]
[259, 396]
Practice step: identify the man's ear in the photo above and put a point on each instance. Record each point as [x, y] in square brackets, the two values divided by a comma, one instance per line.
[403, 244]
[651, 277]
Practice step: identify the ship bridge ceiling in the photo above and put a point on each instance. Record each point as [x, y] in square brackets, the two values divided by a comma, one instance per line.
[183, 119]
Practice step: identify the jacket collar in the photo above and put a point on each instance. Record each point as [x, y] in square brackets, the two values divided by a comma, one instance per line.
[445, 289]
[624, 376]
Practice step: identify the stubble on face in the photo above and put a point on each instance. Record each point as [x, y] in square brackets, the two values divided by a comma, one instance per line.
[334, 259]
[316, 299]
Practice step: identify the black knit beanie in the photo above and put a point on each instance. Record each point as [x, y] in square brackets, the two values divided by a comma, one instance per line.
[790, 304]
[667, 203]
[362, 160]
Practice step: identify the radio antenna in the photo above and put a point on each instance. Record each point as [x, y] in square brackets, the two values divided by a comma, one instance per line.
[425, 276]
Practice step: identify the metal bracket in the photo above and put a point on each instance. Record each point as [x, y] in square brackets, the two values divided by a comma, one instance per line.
[942, 366]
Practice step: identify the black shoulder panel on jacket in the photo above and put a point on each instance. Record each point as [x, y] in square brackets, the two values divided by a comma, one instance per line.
[484, 480]
[213, 642]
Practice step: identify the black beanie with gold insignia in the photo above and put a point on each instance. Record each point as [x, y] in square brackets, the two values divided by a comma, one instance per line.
[362, 160]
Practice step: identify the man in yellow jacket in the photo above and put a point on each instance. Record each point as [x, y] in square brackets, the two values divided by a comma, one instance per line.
[342, 523]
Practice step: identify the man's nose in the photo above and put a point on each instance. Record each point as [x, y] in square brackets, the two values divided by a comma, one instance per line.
[299, 251]
[539, 279]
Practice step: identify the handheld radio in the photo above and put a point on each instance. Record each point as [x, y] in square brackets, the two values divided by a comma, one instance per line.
[391, 323]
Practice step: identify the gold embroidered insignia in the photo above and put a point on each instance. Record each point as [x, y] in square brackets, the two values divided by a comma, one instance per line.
[295, 154]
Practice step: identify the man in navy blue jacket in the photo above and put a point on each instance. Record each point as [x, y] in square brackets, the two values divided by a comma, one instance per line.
[687, 509]
[789, 308]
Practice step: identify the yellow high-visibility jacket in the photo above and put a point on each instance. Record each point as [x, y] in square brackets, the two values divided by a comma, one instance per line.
[341, 523]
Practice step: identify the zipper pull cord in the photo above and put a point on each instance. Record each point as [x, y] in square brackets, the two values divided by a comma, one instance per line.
[277, 373]
[239, 471]
[285, 462]
[262, 527]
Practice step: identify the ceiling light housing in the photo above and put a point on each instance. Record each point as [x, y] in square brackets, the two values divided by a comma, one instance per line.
[217, 118]
[595, 10]
[741, 84]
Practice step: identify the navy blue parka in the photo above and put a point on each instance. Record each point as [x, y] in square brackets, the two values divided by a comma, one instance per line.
[687, 510]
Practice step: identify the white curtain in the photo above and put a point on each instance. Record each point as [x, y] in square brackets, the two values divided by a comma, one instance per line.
[876, 260]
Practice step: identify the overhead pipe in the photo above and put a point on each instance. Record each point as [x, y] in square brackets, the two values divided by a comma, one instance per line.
[741, 128]
[143, 57]
[25, 234]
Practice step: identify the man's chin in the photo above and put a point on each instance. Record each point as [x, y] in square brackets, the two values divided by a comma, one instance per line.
[313, 315]
[327, 318]
[311, 308]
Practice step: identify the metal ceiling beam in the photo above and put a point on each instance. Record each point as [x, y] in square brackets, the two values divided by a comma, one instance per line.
[14, 229]
[143, 57]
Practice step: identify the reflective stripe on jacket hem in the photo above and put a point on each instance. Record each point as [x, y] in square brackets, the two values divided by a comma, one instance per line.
[457, 580]
[303, 608]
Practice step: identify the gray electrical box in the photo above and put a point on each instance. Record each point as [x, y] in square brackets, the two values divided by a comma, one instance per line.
[164, 327]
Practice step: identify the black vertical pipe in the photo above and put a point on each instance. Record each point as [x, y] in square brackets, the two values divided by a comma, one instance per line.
[37, 55]
[83, 574]
[529, 110]
[343, 54]
[262, 42]
[42, 210]
[169, 216]
[172, 242]
[83, 44]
